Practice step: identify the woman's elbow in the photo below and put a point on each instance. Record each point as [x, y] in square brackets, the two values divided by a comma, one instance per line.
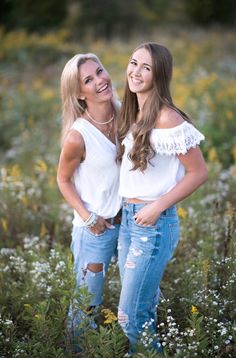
[60, 182]
[63, 181]
[203, 175]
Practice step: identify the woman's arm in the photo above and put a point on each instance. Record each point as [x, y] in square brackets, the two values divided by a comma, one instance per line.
[70, 158]
[196, 175]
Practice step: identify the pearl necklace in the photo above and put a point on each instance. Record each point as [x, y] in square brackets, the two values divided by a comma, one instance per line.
[93, 120]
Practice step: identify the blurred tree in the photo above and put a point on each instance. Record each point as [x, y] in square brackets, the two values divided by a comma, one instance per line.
[225, 11]
[101, 16]
[5, 8]
[31, 14]
[211, 11]
[106, 18]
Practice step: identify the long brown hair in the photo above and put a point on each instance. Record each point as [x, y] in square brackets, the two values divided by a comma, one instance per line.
[142, 151]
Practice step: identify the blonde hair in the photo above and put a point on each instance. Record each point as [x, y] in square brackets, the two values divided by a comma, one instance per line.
[72, 106]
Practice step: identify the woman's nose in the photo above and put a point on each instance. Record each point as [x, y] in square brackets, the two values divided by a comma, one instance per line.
[99, 80]
[136, 71]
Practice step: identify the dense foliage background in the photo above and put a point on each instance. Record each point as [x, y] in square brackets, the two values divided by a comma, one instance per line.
[117, 17]
[197, 309]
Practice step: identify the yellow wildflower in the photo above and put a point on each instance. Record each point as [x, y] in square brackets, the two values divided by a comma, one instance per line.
[229, 115]
[109, 316]
[182, 213]
[27, 306]
[24, 200]
[234, 170]
[212, 155]
[15, 171]
[48, 94]
[194, 310]
[4, 225]
[43, 230]
[41, 166]
[205, 266]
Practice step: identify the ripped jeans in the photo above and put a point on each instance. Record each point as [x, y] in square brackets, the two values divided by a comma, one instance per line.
[143, 253]
[89, 249]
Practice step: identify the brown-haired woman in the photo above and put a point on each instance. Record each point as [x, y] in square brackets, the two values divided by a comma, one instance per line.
[161, 165]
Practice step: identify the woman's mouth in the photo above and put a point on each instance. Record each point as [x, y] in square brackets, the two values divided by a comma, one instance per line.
[103, 88]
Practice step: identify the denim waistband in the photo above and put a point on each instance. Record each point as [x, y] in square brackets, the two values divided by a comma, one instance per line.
[170, 211]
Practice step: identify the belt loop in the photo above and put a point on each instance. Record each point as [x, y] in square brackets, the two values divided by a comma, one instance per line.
[133, 208]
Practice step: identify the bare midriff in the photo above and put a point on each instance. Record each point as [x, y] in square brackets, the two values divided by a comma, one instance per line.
[136, 201]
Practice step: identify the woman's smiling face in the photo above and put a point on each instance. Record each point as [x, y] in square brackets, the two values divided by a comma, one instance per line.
[139, 72]
[95, 83]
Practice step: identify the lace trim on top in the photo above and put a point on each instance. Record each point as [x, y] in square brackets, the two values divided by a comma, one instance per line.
[174, 141]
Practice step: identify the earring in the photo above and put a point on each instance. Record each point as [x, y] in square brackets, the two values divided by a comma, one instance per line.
[82, 98]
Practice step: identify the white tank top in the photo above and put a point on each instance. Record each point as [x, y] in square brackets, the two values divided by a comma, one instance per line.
[165, 170]
[97, 178]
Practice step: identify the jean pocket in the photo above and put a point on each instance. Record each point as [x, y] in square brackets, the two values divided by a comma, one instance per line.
[95, 235]
[155, 226]
[144, 226]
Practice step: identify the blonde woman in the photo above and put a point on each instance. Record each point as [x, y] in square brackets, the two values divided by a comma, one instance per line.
[88, 173]
[161, 165]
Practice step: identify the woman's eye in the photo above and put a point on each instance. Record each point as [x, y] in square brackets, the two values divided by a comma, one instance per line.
[99, 70]
[133, 63]
[87, 80]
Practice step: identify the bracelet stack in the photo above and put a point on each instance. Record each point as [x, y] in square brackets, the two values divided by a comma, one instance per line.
[92, 220]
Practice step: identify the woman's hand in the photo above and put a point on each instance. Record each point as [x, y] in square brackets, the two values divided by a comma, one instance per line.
[100, 226]
[148, 215]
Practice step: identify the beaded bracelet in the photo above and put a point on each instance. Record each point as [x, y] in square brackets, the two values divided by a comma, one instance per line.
[91, 221]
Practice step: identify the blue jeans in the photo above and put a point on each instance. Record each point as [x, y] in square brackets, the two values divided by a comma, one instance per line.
[87, 248]
[143, 253]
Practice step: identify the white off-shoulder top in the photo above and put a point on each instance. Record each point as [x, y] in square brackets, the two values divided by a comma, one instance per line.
[165, 169]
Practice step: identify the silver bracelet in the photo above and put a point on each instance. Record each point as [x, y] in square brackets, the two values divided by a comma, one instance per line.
[92, 220]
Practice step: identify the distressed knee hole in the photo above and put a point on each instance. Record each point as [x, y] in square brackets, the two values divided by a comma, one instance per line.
[136, 252]
[92, 267]
[130, 264]
[144, 238]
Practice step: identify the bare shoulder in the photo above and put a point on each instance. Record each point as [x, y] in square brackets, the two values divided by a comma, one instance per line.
[73, 145]
[168, 118]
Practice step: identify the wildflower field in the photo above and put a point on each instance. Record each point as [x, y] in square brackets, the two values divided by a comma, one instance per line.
[197, 312]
